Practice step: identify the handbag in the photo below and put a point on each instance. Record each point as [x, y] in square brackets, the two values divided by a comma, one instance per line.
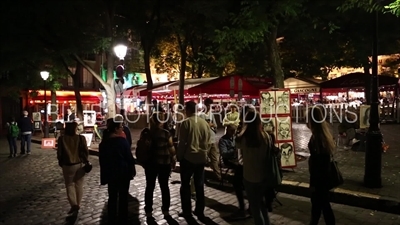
[87, 167]
[335, 178]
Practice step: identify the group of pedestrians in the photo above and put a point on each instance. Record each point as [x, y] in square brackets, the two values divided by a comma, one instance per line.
[19, 129]
[245, 147]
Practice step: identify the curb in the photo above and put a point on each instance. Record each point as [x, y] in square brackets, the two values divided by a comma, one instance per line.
[338, 195]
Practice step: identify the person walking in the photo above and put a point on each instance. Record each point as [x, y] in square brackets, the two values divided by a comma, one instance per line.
[254, 144]
[321, 146]
[194, 143]
[213, 153]
[162, 160]
[25, 126]
[117, 169]
[72, 153]
[12, 135]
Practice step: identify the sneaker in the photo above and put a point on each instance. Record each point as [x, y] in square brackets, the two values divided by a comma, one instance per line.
[239, 215]
[29, 153]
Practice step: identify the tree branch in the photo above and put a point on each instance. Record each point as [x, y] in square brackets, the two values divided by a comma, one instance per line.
[86, 66]
[67, 67]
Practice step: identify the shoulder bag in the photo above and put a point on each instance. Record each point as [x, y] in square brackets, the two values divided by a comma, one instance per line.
[87, 167]
[335, 176]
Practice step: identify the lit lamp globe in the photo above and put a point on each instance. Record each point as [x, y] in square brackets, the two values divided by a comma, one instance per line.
[120, 51]
[45, 75]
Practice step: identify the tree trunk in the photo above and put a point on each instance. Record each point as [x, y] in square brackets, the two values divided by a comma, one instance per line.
[147, 69]
[200, 70]
[182, 74]
[77, 84]
[110, 89]
[53, 108]
[274, 57]
[367, 90]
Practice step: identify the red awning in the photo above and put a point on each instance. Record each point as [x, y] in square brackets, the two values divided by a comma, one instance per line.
[155, 86]
[69, 98]
[224, 85]
[354, 80]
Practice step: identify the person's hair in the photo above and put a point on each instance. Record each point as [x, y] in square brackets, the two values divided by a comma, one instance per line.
[12, 119]
[112, 125]
[253, 131]
[156, 120]
[70, 128]
[320, 129]
[190, 107]
[208, 101]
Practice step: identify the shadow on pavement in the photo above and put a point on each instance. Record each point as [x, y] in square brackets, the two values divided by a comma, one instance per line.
[133, 210]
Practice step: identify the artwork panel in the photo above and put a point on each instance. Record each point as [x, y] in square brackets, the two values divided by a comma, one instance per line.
[282, 102]
[267, 106]
[288, 158]
[284, 129]
[269, 125]
[48, 143]
[89, 118]
[36, 116]
[88, 138]
[364, 116]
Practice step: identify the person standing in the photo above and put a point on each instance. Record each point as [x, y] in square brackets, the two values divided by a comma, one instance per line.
[321, 146]
[72, 153]
[162, 160]
[117, 169]
[213, 153]
[12, 135]
[232, 117]
[70, 116]
[254, 144]
[230, 159]
[25, 126]
[194, 143]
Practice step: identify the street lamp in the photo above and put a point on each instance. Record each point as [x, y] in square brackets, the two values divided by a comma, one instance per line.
[45, 75]
[120, 52]
[373, 152]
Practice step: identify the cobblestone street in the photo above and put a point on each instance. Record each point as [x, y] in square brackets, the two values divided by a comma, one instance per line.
[32, 192]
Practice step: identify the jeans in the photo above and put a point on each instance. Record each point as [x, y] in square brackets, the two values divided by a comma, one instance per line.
[152, 172]
[187, 170]
[320, 204]
[73, 177]
[118, 193]
[12, 143]
[255, 195]
[237, 181]
[26, 138]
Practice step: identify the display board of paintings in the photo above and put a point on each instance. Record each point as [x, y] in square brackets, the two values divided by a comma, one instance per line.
[275, 111]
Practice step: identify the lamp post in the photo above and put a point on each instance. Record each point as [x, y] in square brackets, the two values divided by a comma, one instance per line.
[45, 75]
[373, 153]
[120, 52]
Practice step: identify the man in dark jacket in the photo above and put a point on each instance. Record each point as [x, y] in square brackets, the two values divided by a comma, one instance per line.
[25, 126]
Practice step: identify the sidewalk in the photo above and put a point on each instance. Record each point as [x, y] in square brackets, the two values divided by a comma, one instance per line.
[351, 163]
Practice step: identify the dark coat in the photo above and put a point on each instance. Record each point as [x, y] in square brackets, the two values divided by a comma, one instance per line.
[116, 160]
[319, 164]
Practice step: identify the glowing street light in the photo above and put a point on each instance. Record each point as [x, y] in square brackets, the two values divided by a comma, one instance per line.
[120, 52]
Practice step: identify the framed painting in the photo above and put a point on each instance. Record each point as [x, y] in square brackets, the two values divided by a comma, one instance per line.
[267, 102]
[48, 143]
[288, 158]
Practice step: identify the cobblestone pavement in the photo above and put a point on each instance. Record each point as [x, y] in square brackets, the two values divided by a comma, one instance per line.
[32, 192]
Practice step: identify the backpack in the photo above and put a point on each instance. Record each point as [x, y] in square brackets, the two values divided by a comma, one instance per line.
[14, 130]
[143, 147]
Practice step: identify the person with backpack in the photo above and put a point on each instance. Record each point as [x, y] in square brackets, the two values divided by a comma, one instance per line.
[26, 128]
[161, 160]
[12, 135]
